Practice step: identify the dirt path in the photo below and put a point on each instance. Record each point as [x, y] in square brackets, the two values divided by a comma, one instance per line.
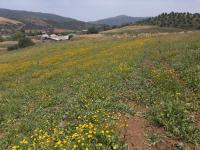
[140, 134]
[2, 135]
[134, 133]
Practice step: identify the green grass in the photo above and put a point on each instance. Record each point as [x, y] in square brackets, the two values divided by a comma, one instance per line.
[63, 86]
[167, 80]
[42, 86]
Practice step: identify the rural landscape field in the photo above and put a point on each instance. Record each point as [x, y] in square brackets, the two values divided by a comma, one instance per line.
[103, 93]
[99, 75]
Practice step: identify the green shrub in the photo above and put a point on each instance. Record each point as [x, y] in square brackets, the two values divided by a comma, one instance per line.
[22, 43]
[25, 42]
[18, 35]
[93, 30]
[71, 36]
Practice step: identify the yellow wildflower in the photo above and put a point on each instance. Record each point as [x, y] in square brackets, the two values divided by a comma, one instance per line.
[114, 146]
[15, 147]
[75, 146]
[24, 141]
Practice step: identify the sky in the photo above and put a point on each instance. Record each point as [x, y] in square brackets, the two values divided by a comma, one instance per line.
[91, 10]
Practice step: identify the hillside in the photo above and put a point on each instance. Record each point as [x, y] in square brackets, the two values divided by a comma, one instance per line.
[119, 20]
[6, 21]
[102, 93]
[177, 20]
[37, 20]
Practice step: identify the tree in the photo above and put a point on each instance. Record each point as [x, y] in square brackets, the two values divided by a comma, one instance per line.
[25, 42]
[22, 43]
[18, 35]
[178, 20]
[93, 30]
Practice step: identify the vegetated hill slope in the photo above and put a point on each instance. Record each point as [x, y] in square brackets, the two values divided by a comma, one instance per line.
[57, 95]
[119, 20]
[177, 20]
[43, 20]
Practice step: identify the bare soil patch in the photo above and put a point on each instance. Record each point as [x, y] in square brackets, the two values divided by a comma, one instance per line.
[137, 128]
[9, 21]
[2, 135]
[8, 43]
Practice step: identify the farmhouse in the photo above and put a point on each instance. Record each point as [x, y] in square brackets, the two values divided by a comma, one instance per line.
[55, 37]
[84, 31]
[44, 36]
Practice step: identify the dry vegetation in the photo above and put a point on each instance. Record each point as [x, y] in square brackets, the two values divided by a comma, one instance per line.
[136, 30]
[4, 45]
[9, 21]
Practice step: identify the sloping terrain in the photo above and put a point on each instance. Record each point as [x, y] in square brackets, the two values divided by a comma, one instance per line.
[7, 21]
[43, 20]
[135, 30]
[82, 94]
[119, 20]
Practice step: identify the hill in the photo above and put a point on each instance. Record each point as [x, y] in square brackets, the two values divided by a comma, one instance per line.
[177, 20]
[119, 20]
[37, 20]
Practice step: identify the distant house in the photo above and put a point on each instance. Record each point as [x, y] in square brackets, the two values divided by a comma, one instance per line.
[45, 37]
[66, 37]
[84, 31]
[55, 37]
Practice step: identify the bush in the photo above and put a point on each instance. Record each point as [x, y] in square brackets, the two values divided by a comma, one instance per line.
[71, 36]
[25, 42]
[18, 35]
[93, 30]
[22, 43]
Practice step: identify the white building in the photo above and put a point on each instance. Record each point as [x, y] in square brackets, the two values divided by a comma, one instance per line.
[44, 36]
[55, 37]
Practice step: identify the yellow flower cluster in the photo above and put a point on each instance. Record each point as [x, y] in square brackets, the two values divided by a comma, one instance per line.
[157, 73]
[96, 130]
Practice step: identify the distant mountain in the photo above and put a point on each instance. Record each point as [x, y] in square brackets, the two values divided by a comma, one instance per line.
[37, 20]
[175, 19]
[119, 20]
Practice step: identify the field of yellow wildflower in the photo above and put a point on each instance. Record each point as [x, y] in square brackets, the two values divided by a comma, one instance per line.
[70, 95]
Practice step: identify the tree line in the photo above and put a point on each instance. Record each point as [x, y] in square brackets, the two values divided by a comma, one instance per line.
[176, 20]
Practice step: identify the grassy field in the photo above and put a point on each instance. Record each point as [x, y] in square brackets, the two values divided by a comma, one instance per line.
[73, 95]
[137, 30]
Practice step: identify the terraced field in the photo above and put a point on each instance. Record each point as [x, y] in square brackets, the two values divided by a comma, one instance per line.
[102, 93]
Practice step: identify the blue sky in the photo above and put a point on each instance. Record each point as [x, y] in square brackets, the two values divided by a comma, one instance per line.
[89, 10]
